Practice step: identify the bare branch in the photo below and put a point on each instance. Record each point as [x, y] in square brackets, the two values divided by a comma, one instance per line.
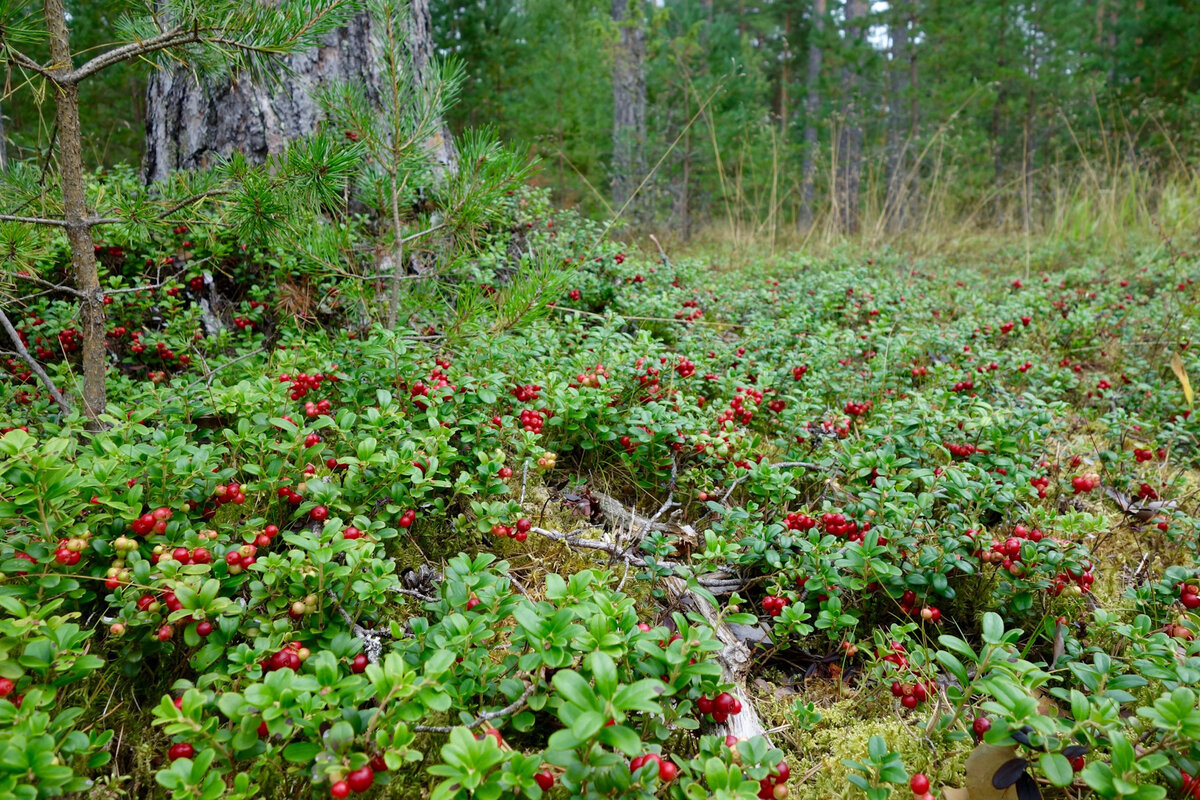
[171, 38]
[47, 284]
[56, 223]
[206, 379]
[486, 716]
[28, 63]
[35, 367]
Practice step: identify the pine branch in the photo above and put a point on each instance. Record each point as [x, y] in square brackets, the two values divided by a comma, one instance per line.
[47, 284]
[163, 41]
[28, 63]
[6, 323]
[57, 223]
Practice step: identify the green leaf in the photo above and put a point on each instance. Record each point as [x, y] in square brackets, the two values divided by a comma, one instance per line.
[301, 752]
[1057, 769]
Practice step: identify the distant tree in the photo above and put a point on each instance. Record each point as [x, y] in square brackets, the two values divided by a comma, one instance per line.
[629, 104]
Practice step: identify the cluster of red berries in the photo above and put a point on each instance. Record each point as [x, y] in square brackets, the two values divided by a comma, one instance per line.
[519, 531]
[304, 383]
[69, 340]
[666, 769]
[291, 656]
[357, 781]
[1145, 454]
[738, 411]
[772, 787]
[961, 450]
[836, 524]
[526, 393]
[1189, 595]
[908, 605]
[293, 496]
[198, 555]
[774, 604]
[591, 377]
[152, 522]
[912, 695]
[685, 368]
[317, 409]
[721, 707]
[223, 494]
[243, 323]
[799, 372]
[69, 551]
[407, 518]
[963, 386]
[574, 294]
[531, 420]
[1082, 484]
[1082, 581]
[691, 311]
[858, 408]
[896, 656]
[241, 558]
[1041, 483]
[797, 521]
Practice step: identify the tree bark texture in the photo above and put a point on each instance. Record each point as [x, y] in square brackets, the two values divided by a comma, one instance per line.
[850, 135]
[896, 202]
[812, 104]
[629, 103]
[190, 123]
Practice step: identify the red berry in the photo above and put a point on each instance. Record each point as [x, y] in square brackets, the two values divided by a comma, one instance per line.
[359, 665]
[361, 779]
[180, 750]
[339, 790]
[6, 687]
[980, 726]
[545, 780]
[919, 783]
[667, 771]
[319, 514]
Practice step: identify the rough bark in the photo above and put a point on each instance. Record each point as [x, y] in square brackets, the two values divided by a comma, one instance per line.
[629, 104]
[850, 135]
[895, 204]
[75, 214]
[190, 122]
[812, 102]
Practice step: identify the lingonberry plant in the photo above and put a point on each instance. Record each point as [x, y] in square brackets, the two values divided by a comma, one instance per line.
[668, 531]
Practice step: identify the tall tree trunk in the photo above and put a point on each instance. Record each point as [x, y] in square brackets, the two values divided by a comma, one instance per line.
[629, 105]
[997, 126]
[75, 215]
[189, 124]
[897, 136]
[850, 136]
[812, 102]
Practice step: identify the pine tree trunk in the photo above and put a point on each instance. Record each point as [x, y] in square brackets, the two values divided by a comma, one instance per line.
[898, 143]
[850, 137]
[190, 124]
[812, 102]
[75, 215]
[629, 105]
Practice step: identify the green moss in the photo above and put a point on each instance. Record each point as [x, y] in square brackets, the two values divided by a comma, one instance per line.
[843, 732]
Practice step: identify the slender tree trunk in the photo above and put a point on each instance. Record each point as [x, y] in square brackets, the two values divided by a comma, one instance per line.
[997, 127]
[785, 58]
[898, 142]
[629, 105]
[850, 137]
[812, 102]
[912, 197]
[75, 214]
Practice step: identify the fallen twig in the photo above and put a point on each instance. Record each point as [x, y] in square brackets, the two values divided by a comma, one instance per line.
[486, 716]
[33, 365]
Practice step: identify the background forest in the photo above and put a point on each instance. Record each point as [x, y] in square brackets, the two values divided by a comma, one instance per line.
[1071, 117]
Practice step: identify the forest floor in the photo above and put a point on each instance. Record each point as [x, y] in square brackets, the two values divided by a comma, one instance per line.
[860, 511]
